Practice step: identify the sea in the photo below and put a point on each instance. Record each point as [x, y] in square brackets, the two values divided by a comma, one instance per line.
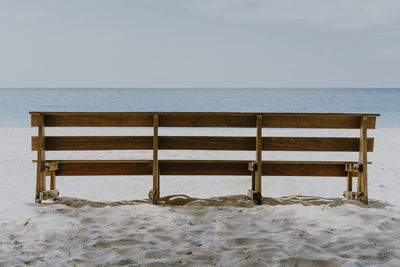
[15, 104]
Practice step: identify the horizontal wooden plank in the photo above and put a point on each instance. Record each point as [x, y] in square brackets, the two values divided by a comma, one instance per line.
[191, 119]
[145, 143]
[202, 113]
[215, 120]
[193, 167]
[332, 144]
[242, 143]
[54, 143]
[148, 161]
[95, 120]
[325, 121]
[303, 169]
[107, 168]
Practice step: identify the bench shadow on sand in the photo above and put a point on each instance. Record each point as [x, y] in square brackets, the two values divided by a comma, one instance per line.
[233, 200]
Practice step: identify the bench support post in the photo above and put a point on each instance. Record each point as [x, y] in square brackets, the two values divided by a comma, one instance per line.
[256, 168]
[44, 169]
[362, 185]
[361, 168]
[154, 194]
[53, 180]
[349, 181]
[41, 158]
[352, 170]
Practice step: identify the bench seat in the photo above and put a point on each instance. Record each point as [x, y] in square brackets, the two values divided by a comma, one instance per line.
[199, 167]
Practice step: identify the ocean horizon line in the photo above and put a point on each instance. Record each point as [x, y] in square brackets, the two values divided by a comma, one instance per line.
[200, 88]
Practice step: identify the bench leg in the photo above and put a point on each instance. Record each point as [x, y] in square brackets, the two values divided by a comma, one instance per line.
[349, 182]
[53, 180]
[256, 167]
[41, 192]
[40, 182]
[154, 194]
[349, 194]
[363, 160]
[253, 194]
[40, 185]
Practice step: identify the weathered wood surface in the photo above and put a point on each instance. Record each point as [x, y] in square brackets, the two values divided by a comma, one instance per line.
[201, 143]
[330, 121]
[41, 158]
[349, 181]
[259, 146]
[190, 119]
[156, 167]
[198, 167]
[363, 176]
[94, 119]
[155, 195]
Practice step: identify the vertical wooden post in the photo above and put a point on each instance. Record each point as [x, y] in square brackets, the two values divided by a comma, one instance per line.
[363, 161]
[156, 171]
[53, 180]
[253, 178]
[349, 181]
[259, 155]
[41, 158]
[256, 167]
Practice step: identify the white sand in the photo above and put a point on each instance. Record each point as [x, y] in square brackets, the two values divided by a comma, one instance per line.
[285, 231]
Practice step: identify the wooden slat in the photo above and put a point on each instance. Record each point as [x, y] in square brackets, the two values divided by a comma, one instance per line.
[204, 168]
[96, 120]
[95, 143]
[89, 169]
[190, 167]
[328, 121]
[339, 144]
[202, 113]
[304, 169]
[147, 161]
[242, 143]
[184, 119]
[69, 161]
[214, 120]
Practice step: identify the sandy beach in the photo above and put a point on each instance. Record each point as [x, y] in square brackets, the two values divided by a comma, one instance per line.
[106, 221]
[112, 68]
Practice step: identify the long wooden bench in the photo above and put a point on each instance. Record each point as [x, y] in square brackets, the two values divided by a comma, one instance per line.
[155, 167]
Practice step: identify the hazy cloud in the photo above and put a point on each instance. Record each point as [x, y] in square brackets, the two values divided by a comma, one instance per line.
[341, 14]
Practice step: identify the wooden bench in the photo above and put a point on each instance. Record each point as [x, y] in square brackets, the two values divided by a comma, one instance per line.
[155, 167]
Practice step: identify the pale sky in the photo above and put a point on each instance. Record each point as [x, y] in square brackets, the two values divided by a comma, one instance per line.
[209, 43]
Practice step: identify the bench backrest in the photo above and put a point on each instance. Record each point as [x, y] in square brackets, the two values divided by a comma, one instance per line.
[213, 120]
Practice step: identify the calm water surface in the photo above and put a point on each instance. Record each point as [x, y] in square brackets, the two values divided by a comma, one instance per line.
[15, 104]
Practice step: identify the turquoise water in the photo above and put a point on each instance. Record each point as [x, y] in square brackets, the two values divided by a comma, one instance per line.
[15, 104]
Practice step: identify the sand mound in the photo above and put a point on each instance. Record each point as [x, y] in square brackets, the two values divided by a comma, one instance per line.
[234, 200]
[224, 231]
